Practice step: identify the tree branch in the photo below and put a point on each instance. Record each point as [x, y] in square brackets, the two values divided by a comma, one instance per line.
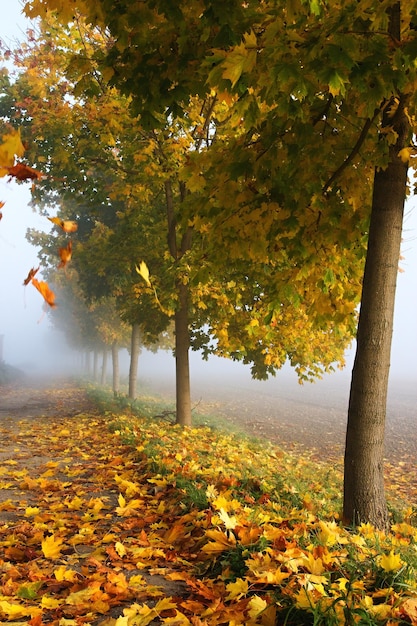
[354, 151]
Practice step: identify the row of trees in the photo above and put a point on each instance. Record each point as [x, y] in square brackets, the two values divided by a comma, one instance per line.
[252, 154]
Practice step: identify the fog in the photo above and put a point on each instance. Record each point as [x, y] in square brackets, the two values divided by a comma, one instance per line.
[30, 343]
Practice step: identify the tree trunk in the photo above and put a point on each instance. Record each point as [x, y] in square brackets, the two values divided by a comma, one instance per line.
[364, 495]
[182, 331]
[116, 368]
[182, 366]
[104, 367]
[134, 358]
[95, 365]
[88, 363]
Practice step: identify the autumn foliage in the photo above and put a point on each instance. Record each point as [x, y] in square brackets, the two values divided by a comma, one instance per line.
[126, 521]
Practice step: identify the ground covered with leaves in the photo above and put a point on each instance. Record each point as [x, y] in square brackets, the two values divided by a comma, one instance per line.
[113, 519]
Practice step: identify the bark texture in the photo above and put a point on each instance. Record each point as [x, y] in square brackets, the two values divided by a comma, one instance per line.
[182, 366]
[364, 495]
[134, 360]
[182, 331]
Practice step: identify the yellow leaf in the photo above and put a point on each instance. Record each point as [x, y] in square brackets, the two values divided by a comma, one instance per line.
[221, 541]
[143, 271]
[120, 549]
[62, 573]
[390, 562]
[237, 590]
[230, 521]
[406, 153]
[50, 603]
[31, 510]
[10, 147]
[256, 606]
[52, 547]
[13, 611]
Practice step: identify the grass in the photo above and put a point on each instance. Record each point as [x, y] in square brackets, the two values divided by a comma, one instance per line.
[274, 526]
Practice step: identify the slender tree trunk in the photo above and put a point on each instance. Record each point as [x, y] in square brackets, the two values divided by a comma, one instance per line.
[364, 496]
[88, 363]
[95, 365]
[182, 331]
[182, 367]
[134, 358]
[116, 368]
[104, 366]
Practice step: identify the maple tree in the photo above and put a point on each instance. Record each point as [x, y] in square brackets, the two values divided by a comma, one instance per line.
[336, 81]
[203, 281]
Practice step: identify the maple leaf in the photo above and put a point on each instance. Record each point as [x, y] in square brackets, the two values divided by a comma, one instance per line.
[143, 271]
[22, 172]
[229, 521]
[241, 59]
[390, 562]
[51, 547]
[120, 549]
[13, 611]
[31, 275]
[68, 226]
[237, 589]
[45, 291]
[10, 147]
[65, 255]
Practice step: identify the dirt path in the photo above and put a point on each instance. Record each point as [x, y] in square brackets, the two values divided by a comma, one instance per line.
[59, 468]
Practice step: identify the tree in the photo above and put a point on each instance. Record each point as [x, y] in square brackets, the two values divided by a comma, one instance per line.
[329, 77]
[364, 496]
[90, 179]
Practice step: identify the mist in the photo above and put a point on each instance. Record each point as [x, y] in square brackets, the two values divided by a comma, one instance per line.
[31, 344]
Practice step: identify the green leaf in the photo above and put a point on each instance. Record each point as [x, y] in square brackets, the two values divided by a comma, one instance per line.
[336, 84]
[29, 591]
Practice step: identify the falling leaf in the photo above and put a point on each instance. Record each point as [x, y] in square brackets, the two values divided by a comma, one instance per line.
[144, 272]
[68, 226]
[31, 275]
[10, 147]
[65, 255]
[22, 172]
[45, 291]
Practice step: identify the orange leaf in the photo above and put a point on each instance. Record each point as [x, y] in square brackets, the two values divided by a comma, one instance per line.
[45, 291]
[23, 172]
[31, 275]
[68, 226]
[65, 255]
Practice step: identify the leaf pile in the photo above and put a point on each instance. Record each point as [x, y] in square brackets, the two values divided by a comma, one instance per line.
[114, 520]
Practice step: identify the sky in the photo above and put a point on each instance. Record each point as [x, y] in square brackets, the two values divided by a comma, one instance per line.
[28, 337]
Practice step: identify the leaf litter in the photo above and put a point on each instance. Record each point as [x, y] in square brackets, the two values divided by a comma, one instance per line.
[110, 519]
